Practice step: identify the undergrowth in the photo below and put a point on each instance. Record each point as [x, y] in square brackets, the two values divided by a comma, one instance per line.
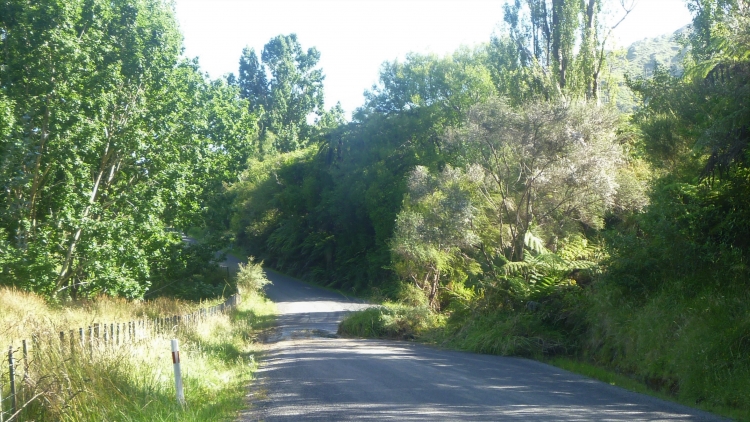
[689, 345]
[392, 321]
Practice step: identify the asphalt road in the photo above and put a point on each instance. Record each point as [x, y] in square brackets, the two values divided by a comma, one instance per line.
[307, 375]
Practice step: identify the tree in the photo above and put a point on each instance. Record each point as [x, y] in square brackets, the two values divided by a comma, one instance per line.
[434, 228]
[108, 148]
[447, 85]
[558, 44]
[696, 131]
[287, 86]
[548, 167]
[252, 81]
[720, 32]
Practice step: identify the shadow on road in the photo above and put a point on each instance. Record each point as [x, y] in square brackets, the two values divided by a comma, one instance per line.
[305, 310]
[306, 376]
[324, 379]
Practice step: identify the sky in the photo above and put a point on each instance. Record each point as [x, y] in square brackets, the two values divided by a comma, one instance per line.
[355, 37]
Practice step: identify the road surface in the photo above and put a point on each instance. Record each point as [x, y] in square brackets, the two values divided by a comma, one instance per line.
[309, 375]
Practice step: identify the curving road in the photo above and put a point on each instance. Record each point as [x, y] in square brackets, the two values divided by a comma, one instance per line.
[308, 374]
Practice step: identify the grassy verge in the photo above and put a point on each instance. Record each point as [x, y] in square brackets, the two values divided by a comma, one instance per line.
[513, 334]
[394, 321]
[133, 382]
[628, 383]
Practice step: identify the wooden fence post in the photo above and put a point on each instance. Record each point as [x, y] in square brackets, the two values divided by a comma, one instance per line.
[25, 362]
[2, 412]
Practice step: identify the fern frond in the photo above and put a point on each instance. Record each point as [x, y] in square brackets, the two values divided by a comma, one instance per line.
[516, 267]
[534, 243]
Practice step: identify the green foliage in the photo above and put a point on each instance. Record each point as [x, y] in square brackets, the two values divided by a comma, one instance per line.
[447, 85]
[687, 339]
[251, 278]
[549, 164]
[515, 334]
[432, 230]
[191, 271]
[272, 203]
[670, 308]
[328, 212]
[110, 140]
[284, 88]
[558, 48]
[393, 321]
[642, 58]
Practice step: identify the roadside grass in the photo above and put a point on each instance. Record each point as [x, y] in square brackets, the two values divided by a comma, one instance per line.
[505, 333]
[628, 383]
[689, 339]
[133, 382]
[636, 348]
[392, 321]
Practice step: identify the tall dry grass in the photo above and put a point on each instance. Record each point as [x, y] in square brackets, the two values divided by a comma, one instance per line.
[133, 381]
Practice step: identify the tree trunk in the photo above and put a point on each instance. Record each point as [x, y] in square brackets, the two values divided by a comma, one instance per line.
[433, 297]
[66, 268]
[590, 39]
[557, 56]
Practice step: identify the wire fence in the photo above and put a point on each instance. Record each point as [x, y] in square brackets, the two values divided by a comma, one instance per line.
[19, 389]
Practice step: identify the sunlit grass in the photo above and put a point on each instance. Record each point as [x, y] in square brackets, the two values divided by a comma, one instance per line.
[393, 321]
[645, 333]
[132, 382]
[628, 383]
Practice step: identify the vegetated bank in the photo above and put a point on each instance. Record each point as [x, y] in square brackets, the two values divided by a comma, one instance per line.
[505, 205]
[133, 380]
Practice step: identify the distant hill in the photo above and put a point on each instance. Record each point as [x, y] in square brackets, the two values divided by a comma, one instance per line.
[641, 58]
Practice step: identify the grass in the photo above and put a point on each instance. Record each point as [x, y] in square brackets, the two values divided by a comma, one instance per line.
[134, 382]
[392, 321]
[688, 339]
[686, 350]
[628, 383]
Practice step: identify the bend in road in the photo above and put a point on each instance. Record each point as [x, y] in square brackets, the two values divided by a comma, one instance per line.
[305, 310]
[308, 376]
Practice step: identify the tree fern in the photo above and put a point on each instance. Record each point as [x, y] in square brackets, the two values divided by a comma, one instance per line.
[542, 271]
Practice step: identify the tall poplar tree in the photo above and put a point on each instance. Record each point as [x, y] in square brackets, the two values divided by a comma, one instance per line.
[287, 85]
[559, 43]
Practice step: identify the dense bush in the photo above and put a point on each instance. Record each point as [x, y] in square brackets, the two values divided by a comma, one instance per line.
[251, 278]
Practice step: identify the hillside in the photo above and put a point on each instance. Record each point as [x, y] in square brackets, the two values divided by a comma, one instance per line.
[640, 59]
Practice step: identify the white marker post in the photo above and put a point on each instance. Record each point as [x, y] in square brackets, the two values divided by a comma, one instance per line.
[177, 372]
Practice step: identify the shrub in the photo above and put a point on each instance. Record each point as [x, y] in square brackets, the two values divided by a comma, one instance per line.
[393, 321]
[251, 277]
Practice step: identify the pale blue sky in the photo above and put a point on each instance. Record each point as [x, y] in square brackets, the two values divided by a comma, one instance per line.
[356, 36]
